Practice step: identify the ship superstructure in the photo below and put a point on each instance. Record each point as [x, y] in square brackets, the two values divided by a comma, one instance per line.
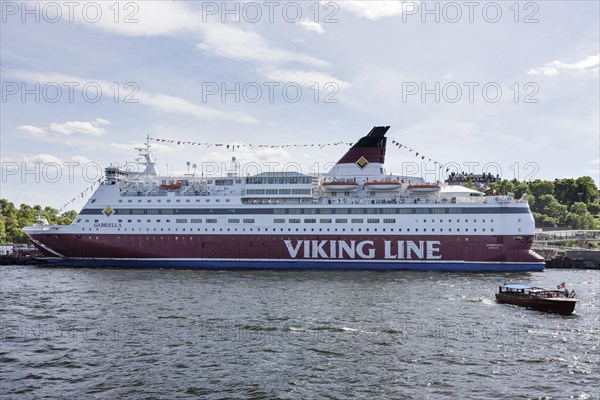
[353, 217]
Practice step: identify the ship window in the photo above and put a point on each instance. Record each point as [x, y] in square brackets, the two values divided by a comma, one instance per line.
[93, 201]
[168, 220]
[181, 221]
[149, 201]
[95, 220]
[87, 220]
[217, 200]
[325, 220]
[148, 220]
[129, 201]
[249, 220]
[140, 200]
[492, 220]
[389, 221]
[294, 221]
[372, 221]
[120, 201]
[279, 221]
[196, 221]
[483, 220]
[178, 201]
[168, 200]
[79, 220]
[233, 221]
[310, 221]
[139, 220]
[158, 220]
[484, 229]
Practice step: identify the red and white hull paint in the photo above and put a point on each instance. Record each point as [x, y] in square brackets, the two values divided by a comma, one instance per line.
[448, 253]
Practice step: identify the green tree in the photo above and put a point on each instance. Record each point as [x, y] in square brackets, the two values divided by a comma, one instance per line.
[542, 220]
[539, 188]
[594, 208]
[548, 205]
[580, 218]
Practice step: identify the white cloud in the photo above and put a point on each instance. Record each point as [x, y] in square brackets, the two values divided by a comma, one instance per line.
[375, 9]
[148, 18]
[311, 26]
[589, 64]
[33, 130]
[246, 45]
[81, 159]
[303, 78]
[42, 159]
[161, 102]
[92, 128]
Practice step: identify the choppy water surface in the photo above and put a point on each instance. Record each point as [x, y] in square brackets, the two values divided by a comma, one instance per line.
[81, 333]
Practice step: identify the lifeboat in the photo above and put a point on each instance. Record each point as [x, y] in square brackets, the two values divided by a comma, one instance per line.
[424, 188]
[171, 186]
[383, 186]
[339, 186]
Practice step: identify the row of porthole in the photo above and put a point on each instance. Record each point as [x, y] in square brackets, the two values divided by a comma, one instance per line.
[176, 201]
[441, 230]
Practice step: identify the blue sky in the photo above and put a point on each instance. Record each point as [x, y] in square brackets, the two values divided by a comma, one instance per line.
[161, 68]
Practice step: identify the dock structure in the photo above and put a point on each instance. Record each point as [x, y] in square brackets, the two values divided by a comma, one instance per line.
[582, 253]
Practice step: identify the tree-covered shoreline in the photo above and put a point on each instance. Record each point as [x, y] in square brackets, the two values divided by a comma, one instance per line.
[12, 219]
[567, 202]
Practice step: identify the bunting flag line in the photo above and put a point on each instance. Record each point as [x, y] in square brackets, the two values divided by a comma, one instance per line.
[234, 146]
[400, 146]
[81, 195]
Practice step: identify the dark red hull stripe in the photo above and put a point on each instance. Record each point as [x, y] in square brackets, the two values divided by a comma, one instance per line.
[292, 247]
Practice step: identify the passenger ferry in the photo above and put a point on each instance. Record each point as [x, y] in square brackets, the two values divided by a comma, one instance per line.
[353, 217]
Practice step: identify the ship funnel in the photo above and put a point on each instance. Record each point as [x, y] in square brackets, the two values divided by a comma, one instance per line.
[365, 157]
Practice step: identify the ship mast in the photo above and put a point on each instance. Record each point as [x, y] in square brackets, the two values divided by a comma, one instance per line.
[146, 158]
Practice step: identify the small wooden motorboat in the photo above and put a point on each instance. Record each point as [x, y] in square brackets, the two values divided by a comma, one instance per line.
[555, 301]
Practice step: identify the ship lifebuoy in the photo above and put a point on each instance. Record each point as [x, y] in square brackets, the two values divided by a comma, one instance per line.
[497, 198]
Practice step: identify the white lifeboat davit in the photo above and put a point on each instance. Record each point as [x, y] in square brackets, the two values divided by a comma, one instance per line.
[383, 186]
[424, 188]
[337, 186]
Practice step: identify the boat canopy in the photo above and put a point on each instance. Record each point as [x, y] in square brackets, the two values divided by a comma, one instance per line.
[517, 286]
